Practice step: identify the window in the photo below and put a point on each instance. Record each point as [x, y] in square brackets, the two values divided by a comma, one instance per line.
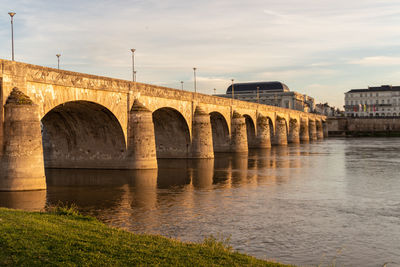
[383, 101]
[377, 102]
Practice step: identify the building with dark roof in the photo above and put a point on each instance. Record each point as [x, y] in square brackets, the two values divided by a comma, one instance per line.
[270, 93]
[240, 88]
[380, 101]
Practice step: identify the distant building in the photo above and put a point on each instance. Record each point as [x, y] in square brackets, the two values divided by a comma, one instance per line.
[382, 101]
[271, 93]
[327, 110]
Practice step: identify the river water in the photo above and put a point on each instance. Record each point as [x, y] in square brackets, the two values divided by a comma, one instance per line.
[336, 201]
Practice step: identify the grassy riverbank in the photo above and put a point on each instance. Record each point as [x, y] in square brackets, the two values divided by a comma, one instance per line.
[63, 237]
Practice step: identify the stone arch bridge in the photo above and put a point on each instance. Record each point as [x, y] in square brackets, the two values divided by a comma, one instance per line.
[61, 119]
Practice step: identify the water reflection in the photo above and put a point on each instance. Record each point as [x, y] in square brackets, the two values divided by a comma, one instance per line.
[173, 173]
[223, 171]
[239, 169]
[202, 173]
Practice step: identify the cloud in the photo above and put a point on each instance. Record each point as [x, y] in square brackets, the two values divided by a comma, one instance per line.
[298, 73]
[298, 42]
[321, 64]
[376, 61]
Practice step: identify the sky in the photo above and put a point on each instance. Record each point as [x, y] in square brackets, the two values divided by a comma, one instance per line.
[321, 48]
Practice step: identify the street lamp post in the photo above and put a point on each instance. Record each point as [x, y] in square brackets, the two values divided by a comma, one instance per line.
[12, 14]
[195, 86]
[58, 60]
[258, 94]
[182, 85]
[133, 65]
[215, 91]
[233, 90]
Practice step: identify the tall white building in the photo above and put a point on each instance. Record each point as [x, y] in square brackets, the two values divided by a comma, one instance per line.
[382, 101]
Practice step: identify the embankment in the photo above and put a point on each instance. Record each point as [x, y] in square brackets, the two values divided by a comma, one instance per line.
[64, 237]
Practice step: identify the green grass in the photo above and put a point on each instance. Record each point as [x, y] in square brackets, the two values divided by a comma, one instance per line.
[63, 237]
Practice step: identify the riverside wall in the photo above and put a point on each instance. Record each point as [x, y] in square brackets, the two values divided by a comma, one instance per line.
[385, 126]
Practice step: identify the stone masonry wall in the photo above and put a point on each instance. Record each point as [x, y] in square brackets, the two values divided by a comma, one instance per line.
[363, 126]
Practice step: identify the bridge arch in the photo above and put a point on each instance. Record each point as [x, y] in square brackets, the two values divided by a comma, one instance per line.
[251, 131]
[220, 132]
[271, 125]
[172, 133]
[82, 134]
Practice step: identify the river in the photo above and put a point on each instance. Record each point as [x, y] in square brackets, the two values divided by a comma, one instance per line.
[335, 201]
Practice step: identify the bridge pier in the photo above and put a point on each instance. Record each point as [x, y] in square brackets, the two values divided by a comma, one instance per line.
[202, 143]
[312, 130]
[304, 131]
[263, 132]
[294, 132]
[239, 133]
[320, 133]
[22, 164]
[280, 137]
[141, 151]
[325, 129]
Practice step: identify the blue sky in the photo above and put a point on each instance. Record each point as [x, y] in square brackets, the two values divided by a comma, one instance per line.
[321, 48]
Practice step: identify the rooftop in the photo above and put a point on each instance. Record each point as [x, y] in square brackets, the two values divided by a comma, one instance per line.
[262, 86]
[381, 88]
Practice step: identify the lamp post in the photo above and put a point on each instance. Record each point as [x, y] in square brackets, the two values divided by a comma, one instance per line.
[182, 85]
[215, 91]
[195, 86]
[133, 64]
[12, 14]
[233, 90]
[58, 60]
[258, 94]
